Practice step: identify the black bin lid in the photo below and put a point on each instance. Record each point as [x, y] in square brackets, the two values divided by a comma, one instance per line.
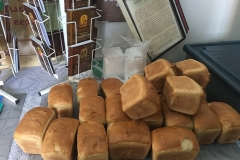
[221, 58]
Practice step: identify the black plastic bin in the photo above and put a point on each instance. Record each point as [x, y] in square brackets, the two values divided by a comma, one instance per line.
[223, 62]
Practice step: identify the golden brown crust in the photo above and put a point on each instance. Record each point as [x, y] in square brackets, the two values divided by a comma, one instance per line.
[92, 147]
[205, 125]
[92, 108]
[154, 121]
[183, 94]
[128, 131]
[128, 140]
[60, 138]
[110, 87]
[229, 120]
[139, 97]
[173, 118]
[128, 150]
[114, 112]
[95, 126]
[31, 129]
[168, 142]
[60, 99]
[157, 72]
[87, 87]
[92, 141]
[195, 70]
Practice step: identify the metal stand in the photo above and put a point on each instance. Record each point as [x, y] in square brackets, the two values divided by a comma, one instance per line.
[64, 22]
[11, 66]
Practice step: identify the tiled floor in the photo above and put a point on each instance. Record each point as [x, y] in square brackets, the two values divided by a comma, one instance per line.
[30, 81]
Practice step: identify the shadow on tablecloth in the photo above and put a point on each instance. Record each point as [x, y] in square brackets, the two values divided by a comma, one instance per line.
[9, 118]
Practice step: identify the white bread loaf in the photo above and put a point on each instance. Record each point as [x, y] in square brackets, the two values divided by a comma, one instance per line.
[87, 87]
[154, 121]
[205, 125]
[139, 97]
[193, 69]
[30, 131]
[229, 119]
[173, 118]
[157, 72]
[60, 139]
[114, 112]
[60, 99]
[128, 140]
[92, 108]
[183, 94]
[174, 143]
[92, 141]
[110, 87]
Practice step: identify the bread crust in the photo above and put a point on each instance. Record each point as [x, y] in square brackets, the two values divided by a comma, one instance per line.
[205, 125]
[173, 118]
[60, 139]
[114, 112]
[87, 87]
[193, 69]
[92, 108]
[31, 129]
[229, 119]
[128, 140]
[183, 94]
[174, 143]
[157, 72]
[154, 121]
[60, 99]
[92, 143]
[110, 87]
[139, 97]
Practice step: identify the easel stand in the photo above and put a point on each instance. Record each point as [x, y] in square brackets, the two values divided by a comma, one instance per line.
[72, 79]
[79, 76]
[11, 66]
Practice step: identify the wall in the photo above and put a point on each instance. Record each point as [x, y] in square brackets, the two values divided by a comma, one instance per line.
[214, 20]
[209, 21]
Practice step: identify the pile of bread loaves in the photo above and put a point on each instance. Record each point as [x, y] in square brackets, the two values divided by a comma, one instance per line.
[165, 110]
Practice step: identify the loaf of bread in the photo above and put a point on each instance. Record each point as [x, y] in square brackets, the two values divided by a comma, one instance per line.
[60, 139]
[92, 141]
[154, 121]
[30, 131]
[60, 99]
[92, 108]
[87, 87]
[110, 87]
[128, 140]
[183, 94]
[173, 118]
[114, 112]
[157, 72]
[205, 125]
[229, 119]
[174, 143]
[193, 69]
[139, 97]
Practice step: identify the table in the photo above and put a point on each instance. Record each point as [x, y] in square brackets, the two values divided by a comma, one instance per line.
[31, 80]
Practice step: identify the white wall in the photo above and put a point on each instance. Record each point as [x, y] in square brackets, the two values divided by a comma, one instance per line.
[208, 21]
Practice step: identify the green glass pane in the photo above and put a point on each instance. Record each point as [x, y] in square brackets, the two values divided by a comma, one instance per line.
[97, 68]
[1, 4]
